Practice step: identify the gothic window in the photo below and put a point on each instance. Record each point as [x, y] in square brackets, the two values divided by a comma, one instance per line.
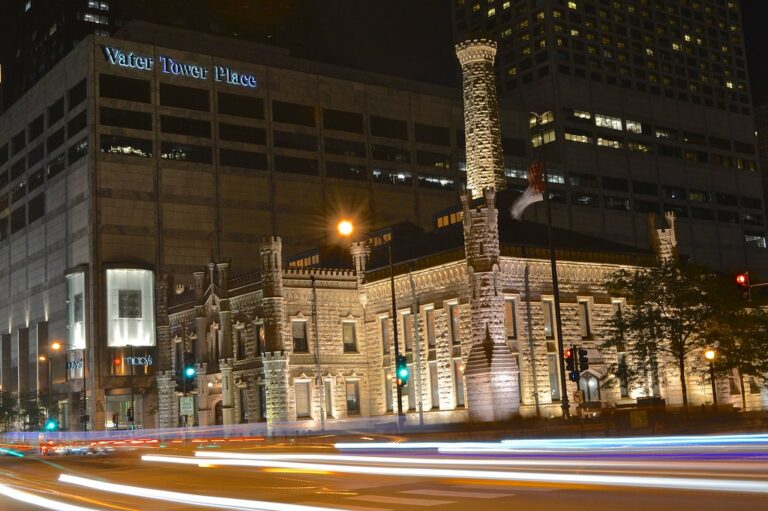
[584, 322]
[303, 396]
[299, 333]
[549, 323]
[384, 323]
[455, 326]
[510, 318]
[429, 317]
[349, 335]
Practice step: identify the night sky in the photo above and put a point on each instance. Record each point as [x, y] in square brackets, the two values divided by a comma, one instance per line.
[755, 16]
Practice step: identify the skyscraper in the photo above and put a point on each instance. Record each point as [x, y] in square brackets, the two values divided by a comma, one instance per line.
[648, 110]
[38, 33]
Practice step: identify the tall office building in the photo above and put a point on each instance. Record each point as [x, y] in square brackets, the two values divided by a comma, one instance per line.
[648, 110]
[39, 33]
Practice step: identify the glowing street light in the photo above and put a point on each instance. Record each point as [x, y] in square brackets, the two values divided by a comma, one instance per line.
[345, 228]
[710, 356]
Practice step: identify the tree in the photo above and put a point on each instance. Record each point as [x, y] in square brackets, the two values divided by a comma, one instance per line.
[738, 337]
[31, 413]
[669, 306]
[9, 409]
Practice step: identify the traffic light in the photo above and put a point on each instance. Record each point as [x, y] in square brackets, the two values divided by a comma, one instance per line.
[573, 376]
[189, 365]
[742, 279]
[402, 370]
[570, 363]
[51, 424]
[583, 359]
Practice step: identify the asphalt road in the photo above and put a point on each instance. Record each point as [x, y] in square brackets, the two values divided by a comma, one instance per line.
[339, 489]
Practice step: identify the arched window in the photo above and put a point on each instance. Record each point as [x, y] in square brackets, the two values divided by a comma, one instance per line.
[590, 386]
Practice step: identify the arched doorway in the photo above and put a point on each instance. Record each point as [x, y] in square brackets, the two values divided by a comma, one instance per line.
[589, 384]
[218, 413]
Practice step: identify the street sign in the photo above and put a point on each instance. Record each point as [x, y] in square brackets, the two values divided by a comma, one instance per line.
[187, 406]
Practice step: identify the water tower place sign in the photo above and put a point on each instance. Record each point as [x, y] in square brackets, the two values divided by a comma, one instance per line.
[171, 66]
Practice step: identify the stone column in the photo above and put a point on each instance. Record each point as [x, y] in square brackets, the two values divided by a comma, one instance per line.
[485, 159]
[201, 380]
[275, 359]
[166, 400]
[491, 370]
[226, 365]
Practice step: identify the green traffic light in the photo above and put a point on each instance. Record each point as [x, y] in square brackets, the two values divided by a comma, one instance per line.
[189, 372]
[51, 425]
[403, 372]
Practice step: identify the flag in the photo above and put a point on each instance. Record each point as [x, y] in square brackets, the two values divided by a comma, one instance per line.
[534, 192]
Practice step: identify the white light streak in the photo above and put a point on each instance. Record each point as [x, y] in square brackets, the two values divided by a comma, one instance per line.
[35, 500]
[678, 483]
[184, 498]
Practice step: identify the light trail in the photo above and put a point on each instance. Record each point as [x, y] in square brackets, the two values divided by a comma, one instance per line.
[674, 483]
[35, 500]
[184, 498]
[481, 462]
[569, 443]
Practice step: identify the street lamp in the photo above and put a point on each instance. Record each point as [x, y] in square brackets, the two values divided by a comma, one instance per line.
[43, 358]
[57, 346]
[345, 228]
[710, 356]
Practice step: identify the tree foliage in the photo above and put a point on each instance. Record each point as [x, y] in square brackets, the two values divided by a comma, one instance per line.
[669, 307]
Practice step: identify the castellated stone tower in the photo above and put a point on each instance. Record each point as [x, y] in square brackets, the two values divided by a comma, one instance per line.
[276, 356]
[485, 160]
[664, 241]
[491, 370]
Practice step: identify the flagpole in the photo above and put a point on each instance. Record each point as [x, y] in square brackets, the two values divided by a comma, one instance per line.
[553, 263]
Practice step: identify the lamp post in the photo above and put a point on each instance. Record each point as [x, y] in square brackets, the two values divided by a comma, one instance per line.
[710, 356]
[43, 358]
[346, 228]
[537, 123]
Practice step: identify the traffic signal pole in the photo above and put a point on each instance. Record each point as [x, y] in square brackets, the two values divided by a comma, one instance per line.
[400, 416]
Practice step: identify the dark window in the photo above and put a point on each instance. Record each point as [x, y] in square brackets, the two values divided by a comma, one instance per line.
[645, 188]
[671, 152]
[382, 152]
[585, 199]
[743, 147]
[18, 191]
[36, 180]
[346, 171]
[436, 182]
[3, 180]
[753, 219]
[673, 192]
[430, 159]
[582, 179]
[241, 106]
[512, 146]
[429, 134]
[36, 208]
[18, 168]
[728, 216]
[131, 119]
[185, 126]
[35, 154]
[294, 140]
[392, 177]
[114, 144]
[55, 140]
[296, 165]
[56, 165]
[179, 96]
[644, 206]
[18, 219]
[612, 183]
[76, 94]
[618, 203]
[243, 159]
[720, 143]
[390, 128]
[344, 147]
[3, 154]
[36, 127]
[702, 214]
[751, 202]
[77, 123]
[185, 152]
[55, 112]
[299, 334]
[119, 87]
[694, 138]
[342, 121]
[246, 134]
[18, 142]
[292, 113]
[727, 199]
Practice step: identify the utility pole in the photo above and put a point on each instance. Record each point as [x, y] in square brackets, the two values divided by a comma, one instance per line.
[400, 415]
[417, 347]
[320, 383]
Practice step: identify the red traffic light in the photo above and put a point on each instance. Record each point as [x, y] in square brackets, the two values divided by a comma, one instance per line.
[568, 353]
[742, 279]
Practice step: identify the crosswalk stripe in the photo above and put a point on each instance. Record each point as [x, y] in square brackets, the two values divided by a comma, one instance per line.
[385, 499]
[459, 494]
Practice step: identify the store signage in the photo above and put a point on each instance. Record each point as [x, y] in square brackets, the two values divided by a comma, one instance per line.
[144, 361]
[171, 66]
[75, 364]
